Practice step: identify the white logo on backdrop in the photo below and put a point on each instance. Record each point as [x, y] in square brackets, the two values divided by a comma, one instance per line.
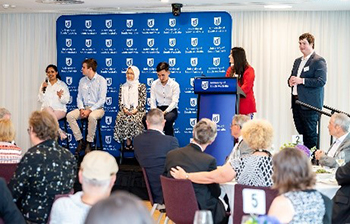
[150, 23]
[129, 42]
[109, 81]
[193, 122]
[67, 23]
[216, 118]
[69, 137]
[109, 42]
[194, 41]
[108, 120]
[69, 61]
[217, 21]
[192, 82]
[109, 62]
[88, 24]
[129, 62]
[150, 62]
[172, 62]
[150, 81]
[148, 101]
[193, 102]
[108, 139]
[129, 23]
[205, 85]
[194, 22]
[109, 100]
[69, 42]
[69, 80]
[108, 23]
[150, 42]
[172, 42]
[216, 61]
[217, 41]
[88, 42]
[70, 100]
[194, 61]
[172, 22]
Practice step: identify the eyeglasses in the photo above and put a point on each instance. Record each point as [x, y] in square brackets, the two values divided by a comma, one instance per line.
[28, 130]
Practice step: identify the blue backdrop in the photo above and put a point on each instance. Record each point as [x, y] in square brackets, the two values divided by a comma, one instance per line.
[192, 43]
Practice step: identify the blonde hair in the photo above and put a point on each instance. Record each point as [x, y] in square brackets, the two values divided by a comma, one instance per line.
[7, 131]
[257, 134]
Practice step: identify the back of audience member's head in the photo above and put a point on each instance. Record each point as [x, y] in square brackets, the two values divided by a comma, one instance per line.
[258, 134]
[292, 171]
[204, 132]
[4, 113]
[155, 117]
[342, 120]
[44, 125]
[98, 172]
[121, 208]
[7, 131]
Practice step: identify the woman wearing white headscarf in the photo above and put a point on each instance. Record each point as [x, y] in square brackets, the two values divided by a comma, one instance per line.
[132, 101]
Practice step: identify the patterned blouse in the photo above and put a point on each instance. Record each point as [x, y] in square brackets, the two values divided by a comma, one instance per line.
[45, 170]
[309, 206]
[9, 153]
[253, 170]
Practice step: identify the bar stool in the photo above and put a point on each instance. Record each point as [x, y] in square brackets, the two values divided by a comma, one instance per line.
[84, 126]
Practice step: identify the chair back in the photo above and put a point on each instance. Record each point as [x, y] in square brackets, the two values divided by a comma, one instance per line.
[180, 200]
[149, 191]
[7, 171]
[238, 210]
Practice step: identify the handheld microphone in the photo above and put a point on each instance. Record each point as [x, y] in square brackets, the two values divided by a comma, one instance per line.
[44, 88]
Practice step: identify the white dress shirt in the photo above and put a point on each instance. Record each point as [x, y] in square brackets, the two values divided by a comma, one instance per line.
[92, 93]
[300, 69]
[165, 95]
[50, 97]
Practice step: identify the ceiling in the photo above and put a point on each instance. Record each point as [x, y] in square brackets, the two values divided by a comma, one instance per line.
[130, 6]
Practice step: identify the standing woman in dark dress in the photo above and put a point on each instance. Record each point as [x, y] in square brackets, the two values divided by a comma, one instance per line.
[241, 69]
[132, 101]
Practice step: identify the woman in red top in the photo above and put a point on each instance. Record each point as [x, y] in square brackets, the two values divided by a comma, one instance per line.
[245, 73]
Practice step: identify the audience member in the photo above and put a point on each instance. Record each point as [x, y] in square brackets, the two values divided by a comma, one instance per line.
[9, 152]
[9, 212]
[45, 170]
[241, 148]
[298, 201]
[97, 176]
[91, 98]
[339, 128]
[151, 148]
[193, 159]
[132, 101]
[54, 95]
[165, 93]
[253, 170]
[4, 113]
[121, 208]
[341, 205]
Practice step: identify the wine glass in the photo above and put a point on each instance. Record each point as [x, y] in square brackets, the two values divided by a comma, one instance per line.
[340, 158]
[203, 217]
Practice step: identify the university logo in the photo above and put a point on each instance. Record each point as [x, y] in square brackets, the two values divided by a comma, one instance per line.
[216, 118]
[109, 62]
[69, 136]
[88, 42]
[150, 81]
[88, 24]
[69, 80]
[148, 101]
[108, 23]
[172, 22]
[194, 62]
[194, 22]
[194, 41]
[216, 61]
[150, 42]
[192, 82]
[205, 85]
[193, 122]
[108, 120]
[70, 100]
[108, 139]
[109, 81]
[69, 42]
[217, 41]
[172, 42]
[129, 23]
[109, 100]
[193, 102]
[109, 42]
[69, 61]
[67, 23]
[129, 62]
[217, 21]
[129, 42]
[172, 62]
[150, 62]
[150, 23]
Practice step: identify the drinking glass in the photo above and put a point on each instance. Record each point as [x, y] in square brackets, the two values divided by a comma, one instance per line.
[340, 158]
[203, 217]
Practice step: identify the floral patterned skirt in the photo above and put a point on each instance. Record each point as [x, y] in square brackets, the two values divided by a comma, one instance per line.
[128, 126]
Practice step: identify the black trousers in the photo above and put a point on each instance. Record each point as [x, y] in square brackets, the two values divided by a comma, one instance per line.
[305, 121]
[170, 118]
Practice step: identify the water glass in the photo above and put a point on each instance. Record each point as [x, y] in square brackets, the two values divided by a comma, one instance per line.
[203, 217]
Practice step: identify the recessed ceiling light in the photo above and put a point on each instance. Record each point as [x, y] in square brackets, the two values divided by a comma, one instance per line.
[61, 1]
[5, 6]
[277, 6]
[164, 1]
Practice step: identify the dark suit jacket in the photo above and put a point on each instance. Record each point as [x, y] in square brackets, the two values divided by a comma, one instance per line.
[341, 200]
[192, 159]
[315, 75]
[343, 147]
[151, 148]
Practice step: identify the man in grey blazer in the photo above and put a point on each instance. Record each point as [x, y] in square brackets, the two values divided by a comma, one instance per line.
[307, 80]
[339, 128]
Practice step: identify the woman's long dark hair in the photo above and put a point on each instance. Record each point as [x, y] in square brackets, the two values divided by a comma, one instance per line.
[54, 68]
[240, 62]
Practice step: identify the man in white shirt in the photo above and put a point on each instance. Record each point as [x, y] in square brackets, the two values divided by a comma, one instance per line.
[165, 93]
[91, 98]
[339, 128]
[97, 175]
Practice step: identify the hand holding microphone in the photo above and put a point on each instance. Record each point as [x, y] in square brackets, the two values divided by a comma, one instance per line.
[45, 84]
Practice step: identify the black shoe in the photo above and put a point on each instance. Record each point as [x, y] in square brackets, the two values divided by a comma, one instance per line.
[80, 147]
[88, 148]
